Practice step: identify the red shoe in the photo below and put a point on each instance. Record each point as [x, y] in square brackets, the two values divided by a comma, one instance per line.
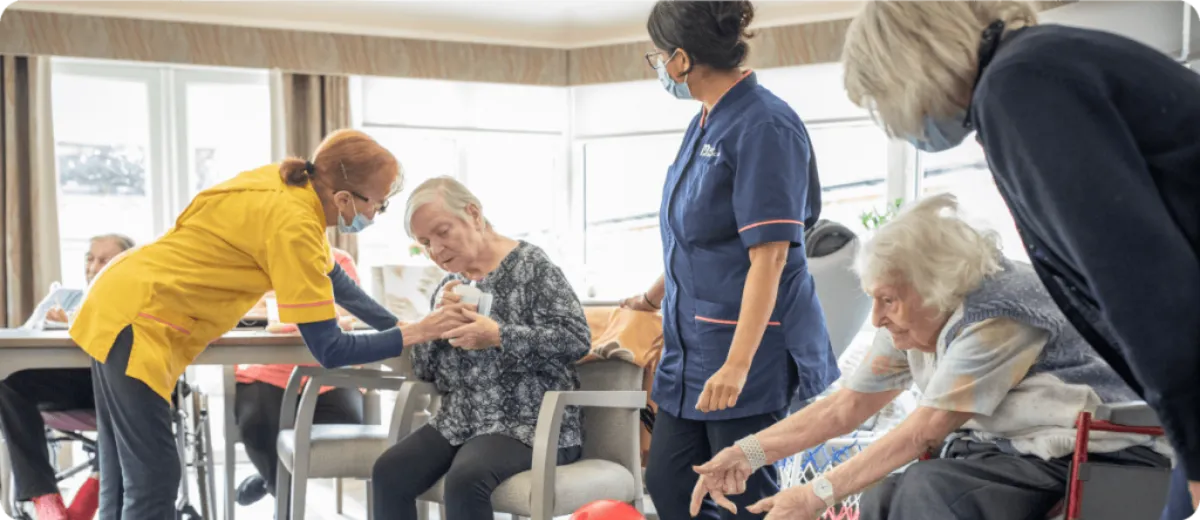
[50, 507]
[86, 501]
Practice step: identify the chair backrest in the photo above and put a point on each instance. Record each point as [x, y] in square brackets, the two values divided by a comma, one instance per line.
[843, 301]
[611, 434]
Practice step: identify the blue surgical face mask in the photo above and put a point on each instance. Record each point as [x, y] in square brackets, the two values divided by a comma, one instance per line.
[359, 223]
[679, 89]
[942, 134]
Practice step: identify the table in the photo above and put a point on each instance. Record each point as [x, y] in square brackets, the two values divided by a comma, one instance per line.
[26, 349]
[23, 350]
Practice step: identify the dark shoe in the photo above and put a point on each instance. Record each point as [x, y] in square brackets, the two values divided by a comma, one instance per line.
[251, 490]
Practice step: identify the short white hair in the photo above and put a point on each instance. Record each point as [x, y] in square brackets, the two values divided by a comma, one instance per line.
[905, 60]
[929, 246]
[453, 195]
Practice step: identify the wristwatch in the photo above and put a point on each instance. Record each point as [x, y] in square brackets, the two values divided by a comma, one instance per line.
[823, 488]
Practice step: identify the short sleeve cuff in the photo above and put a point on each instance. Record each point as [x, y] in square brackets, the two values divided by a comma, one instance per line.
[310, 312]
[776, 230]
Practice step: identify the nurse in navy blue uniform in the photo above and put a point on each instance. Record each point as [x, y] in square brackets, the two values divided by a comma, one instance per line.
[744, 335]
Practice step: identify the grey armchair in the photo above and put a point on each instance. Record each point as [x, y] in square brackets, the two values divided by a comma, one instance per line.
[611, 395]
[325, 451]
[831, 249]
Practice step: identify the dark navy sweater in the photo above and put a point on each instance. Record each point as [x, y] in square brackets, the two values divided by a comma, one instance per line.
[1094, 141]
[333, 348]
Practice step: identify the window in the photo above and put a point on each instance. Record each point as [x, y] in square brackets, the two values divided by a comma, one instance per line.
[964, 172]
[507, 143]
[852, 159]
[119, 168]
[623, 185]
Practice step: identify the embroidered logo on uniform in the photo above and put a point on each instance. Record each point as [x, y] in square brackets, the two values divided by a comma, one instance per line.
[709, 150]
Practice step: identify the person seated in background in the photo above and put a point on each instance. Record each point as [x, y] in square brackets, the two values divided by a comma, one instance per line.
[61, 302]
[24, 392]
[493, 371]
[259, 398]
[1002, 376]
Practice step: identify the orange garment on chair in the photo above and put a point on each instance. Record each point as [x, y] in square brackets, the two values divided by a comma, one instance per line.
[278, 375]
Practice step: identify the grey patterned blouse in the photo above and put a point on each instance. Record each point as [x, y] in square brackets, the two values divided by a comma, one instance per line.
[543, 332]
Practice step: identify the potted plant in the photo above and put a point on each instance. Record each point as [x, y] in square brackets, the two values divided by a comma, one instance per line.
[873, 219]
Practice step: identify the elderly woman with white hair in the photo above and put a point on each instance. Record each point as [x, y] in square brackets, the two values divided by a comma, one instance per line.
[493, 371]
[1001, 373]
[1094, 141]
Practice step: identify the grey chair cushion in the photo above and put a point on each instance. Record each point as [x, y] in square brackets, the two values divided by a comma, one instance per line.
[337, 450]
[575, 485]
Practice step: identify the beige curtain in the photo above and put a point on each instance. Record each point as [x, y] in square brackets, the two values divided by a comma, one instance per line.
[28, 207]
[313, 106]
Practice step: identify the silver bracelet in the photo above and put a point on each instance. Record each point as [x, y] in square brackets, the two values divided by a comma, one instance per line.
[753, 451]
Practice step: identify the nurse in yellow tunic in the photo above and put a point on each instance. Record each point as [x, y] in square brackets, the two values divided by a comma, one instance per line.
[155, 308]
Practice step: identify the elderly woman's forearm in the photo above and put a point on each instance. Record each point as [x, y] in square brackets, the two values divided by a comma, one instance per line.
[758, 300]
[568, 341]
[658, 290]
[824, 419]
[925, 429]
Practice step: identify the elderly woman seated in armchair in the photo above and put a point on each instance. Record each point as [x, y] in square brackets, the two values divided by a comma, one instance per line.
[492, 371]
[1002, 376]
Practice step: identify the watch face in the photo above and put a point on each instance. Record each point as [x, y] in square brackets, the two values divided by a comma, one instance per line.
[823, 488]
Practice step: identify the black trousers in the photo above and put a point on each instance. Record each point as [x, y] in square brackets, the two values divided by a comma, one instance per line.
[257, 407]
[979, 481]
[472, 471]
[22, 396]
[679, 444]
[139, 461]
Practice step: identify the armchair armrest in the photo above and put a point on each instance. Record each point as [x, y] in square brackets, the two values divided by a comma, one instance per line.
[549, 426]
[318, 377]
[408, 402]
[1133, 413]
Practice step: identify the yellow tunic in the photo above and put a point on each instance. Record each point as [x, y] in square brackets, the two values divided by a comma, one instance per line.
[234, 242]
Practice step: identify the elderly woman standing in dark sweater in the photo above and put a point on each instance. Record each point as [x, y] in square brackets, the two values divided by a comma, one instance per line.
[1094, 143]
[493, 371]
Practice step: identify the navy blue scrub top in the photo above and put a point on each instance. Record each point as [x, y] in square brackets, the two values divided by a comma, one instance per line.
[743, 177]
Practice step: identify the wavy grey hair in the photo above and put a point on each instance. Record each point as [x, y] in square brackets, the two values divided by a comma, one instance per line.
[907, 59]
[931, 247]
[453, 194]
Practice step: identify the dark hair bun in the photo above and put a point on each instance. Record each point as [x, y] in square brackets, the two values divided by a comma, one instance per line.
[733, 18]
[712, 33]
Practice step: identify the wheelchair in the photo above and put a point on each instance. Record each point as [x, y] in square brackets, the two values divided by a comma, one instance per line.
[193, 438]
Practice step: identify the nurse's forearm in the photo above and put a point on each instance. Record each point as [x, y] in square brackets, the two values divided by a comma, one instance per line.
[333, 348]
[758, 300]
[657, 291]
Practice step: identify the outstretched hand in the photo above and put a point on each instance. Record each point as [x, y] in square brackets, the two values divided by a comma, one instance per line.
[796, 503]
[725, 474]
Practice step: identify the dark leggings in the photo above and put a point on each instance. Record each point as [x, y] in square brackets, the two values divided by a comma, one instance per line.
[472, 471]
[139, 462]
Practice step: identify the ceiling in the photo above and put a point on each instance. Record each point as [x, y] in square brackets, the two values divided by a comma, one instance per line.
[540, 23]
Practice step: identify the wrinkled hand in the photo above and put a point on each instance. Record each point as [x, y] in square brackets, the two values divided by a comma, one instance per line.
[482, 332]
[725, 474]
[723, 388]
[448, 295]
[444, 319]
[796, 503]
[638, 303]
[57, 313]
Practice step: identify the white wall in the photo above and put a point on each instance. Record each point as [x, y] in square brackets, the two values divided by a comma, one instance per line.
[1158, 24]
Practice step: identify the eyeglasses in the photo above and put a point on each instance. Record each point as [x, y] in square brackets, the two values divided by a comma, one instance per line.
[380, 208]
[655, 59]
